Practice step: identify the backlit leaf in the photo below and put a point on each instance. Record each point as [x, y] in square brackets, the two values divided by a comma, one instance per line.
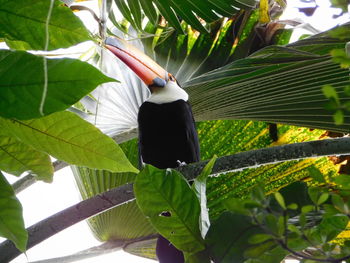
[17, 157]
[68, 81]
[11, 220]
[172, 207]
[23, 25]
[67, 137]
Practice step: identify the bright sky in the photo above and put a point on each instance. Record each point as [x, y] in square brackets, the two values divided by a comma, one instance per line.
[42, 200]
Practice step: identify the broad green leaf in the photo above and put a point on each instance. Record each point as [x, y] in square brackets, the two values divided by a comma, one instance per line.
[67, 137]
[124, 222]
[199, 257]
[22, 84]
[263, 86]
[329, 228]
[228, 237]
[343, 180]
[11, 220]
[166, 198]
[314, 193]
[199, 186]
[23, 25]
[259, 249]
[17, 157]
[274, 255]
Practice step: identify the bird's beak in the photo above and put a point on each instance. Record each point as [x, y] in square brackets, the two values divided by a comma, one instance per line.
[148, 70]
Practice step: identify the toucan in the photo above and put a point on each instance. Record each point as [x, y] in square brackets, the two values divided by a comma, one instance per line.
[166, 127]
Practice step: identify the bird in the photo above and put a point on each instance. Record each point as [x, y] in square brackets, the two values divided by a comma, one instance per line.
[166, 126]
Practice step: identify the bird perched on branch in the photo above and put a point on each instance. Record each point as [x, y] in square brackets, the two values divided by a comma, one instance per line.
[167, 132]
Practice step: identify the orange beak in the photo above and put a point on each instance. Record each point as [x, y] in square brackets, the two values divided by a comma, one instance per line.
[144, 67]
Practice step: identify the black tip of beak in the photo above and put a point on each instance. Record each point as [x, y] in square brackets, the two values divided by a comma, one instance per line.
[158, 82]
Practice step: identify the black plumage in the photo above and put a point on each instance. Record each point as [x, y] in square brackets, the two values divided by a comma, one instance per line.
[167, 136]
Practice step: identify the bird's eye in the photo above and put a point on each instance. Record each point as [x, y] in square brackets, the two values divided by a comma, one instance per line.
[171, 77]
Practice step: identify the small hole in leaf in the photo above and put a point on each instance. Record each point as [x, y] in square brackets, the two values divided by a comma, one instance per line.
[165, 214]
[172, 232]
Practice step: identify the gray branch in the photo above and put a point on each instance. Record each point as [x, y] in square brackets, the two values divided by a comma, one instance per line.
[30, 179]
[123, 194]
[105, 248]
[68, 217]
[271, 155]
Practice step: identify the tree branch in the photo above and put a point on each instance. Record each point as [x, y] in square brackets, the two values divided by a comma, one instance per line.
[104, 248]
[68, 217]
[123, 194]
[30, 179]
[271, 155]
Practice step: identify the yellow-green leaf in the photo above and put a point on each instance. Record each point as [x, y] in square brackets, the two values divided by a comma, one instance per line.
[17, 157]
[67, 137]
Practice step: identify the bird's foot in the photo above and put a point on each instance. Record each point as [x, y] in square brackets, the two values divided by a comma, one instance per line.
[181, 163]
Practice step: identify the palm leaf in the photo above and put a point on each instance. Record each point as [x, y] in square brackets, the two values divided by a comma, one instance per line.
[192, 12]
[121, 223]
[276, 84]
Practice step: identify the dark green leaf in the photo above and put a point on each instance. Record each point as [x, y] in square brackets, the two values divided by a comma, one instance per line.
[314, 194]
[11, 221]
[23, 25]
[199, 257]
[339, 203]
[347, 89]
[172, 207]
[228, 237]
[302, 220]
[294, 229]
[330, 227]
[343, 180]
[17, 157]
[274, 255]
[297, 243]
[67, 137]
[258, 250]
[68, 81]
[272, 223]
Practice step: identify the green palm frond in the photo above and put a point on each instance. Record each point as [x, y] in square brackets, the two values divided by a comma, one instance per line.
[281, 84]
[121, 223]
[193, 12]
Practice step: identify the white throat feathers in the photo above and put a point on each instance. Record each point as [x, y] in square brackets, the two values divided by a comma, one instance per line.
[171, 92]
